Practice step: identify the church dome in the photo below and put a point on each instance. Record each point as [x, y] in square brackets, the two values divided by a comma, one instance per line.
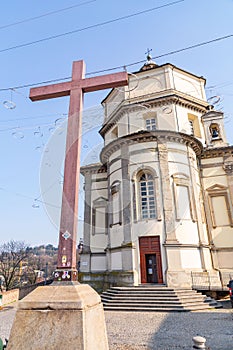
[149, 63]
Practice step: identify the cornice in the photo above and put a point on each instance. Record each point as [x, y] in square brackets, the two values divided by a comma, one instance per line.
[221, 249]
[150, 136]
[97, 168]
[217, 152]
[153, 100]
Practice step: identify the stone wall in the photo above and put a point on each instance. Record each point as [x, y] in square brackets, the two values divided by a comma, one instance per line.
[10, 296]
[101, 281]
[29, 288]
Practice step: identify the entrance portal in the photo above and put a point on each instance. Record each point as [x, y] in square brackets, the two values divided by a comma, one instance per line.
[150, 260]
[151, 269]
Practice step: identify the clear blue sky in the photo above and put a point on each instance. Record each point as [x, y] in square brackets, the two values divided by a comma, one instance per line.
[29, 168]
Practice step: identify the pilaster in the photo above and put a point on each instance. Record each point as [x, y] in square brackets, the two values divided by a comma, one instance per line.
[170, 236]
[126, 199]
[228, 168]
[197, 206]
[87, 214]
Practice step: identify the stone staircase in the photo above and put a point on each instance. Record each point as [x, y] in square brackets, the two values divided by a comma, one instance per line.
[155, 298]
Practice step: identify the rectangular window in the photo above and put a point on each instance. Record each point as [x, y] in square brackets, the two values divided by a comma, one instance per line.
[151, 124]
[194, 127]
[147, 200]
[191, 127]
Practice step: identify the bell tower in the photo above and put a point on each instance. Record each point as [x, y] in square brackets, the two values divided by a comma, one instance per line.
[213, 123]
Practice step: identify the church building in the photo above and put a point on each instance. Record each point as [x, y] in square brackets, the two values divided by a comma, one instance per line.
[159, 204]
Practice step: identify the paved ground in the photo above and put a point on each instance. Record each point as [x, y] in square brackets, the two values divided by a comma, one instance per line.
[158, 331]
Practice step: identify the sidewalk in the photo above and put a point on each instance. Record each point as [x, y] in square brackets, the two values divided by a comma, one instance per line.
[157, 331]
[170, 331]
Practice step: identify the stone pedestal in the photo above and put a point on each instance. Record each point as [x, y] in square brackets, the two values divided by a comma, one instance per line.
[67, 317]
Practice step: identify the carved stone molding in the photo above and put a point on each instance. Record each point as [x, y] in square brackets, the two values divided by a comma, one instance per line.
[97, 168]
[218, 152]
[228, 168]
[151, 136]
[152, 100]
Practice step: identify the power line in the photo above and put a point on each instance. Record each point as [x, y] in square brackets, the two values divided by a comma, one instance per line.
[122, 66]
[45, 14]
[91, 26]
[27, 197]
[36, 117]
[197, 45]
[29, 127]
[167, 53]
[35, 84]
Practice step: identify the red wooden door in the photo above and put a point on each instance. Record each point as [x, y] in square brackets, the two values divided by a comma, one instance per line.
[150, 260]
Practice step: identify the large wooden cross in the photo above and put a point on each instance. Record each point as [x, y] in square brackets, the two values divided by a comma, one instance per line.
[66, 266]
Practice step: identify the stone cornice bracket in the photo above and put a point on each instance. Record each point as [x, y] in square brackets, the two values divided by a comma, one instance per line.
[228, 168]
[93, 169]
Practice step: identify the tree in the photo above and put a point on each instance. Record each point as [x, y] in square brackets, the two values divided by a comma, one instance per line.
[21, 264]
[12, 257]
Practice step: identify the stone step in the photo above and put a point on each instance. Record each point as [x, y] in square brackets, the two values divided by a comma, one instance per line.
[177, 300]
[165, 307]
[151, 301]
[151, 295]
[157, 308]
[155, 298]
[150, 291]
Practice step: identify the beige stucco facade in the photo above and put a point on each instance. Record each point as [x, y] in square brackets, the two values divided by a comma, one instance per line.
[158, 206]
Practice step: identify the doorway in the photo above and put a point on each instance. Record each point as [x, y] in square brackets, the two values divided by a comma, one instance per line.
[151, 269]
[150, 259]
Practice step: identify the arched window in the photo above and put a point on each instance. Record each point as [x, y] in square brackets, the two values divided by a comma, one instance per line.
[147, 196]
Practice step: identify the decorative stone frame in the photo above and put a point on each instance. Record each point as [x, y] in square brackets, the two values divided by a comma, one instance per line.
[180, 179]
[100, 202]
[196, 125]
[136, 193]
[115, 188]
[148, 116]
[215, 126]
[218, 191]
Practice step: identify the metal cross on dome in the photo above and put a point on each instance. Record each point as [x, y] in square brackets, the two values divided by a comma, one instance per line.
[66, 266]
[148, 55]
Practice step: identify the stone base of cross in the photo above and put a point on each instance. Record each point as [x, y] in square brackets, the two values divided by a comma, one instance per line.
[65, 316]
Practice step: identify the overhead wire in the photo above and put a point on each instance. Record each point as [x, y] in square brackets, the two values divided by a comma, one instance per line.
[28, 197]
[166, 54]
[29, 127]
[36, 117]
[45, 14]
[122, 66]
[90, 27]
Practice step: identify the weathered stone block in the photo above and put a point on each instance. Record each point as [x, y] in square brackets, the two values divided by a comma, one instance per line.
[60, 317]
